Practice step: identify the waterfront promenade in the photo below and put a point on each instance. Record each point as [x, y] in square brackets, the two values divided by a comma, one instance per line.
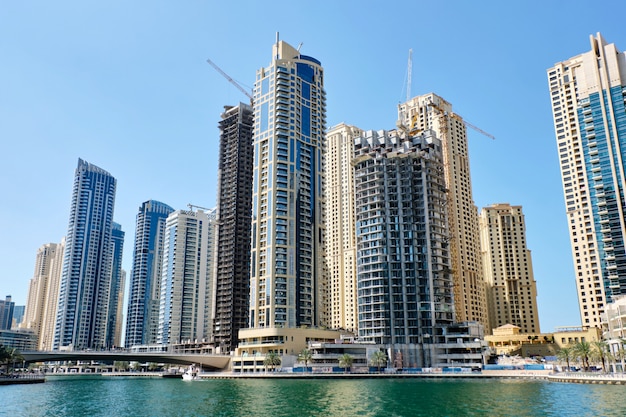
[22, 379]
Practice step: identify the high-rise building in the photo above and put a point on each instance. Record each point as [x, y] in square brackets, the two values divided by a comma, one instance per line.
[142, 316]
[430, 111]
[587, 95]
[186, 302]
[43, 293]
[234, 206]
[6, 313]
[85, 287]
[340, 236]
[287, 261]
[116, 297]
[508, 267]
[404, 281]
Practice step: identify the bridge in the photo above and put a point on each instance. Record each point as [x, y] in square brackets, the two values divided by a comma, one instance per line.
[208, 361]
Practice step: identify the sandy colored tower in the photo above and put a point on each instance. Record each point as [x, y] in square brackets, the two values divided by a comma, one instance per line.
[430, 111]
[507, 262]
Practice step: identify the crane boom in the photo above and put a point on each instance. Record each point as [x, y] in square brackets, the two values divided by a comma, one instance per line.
[233, 82]
[479, 130]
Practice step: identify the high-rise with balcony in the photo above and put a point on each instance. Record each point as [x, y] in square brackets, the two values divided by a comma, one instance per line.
[43, 293]
[507, 262]
[340, 243]
[287, 261]
[587, 93]
[234, 206]
[404, 281]
[85, 288]
[118, 281]
[186, 301]
[430, 111]
[142, 316]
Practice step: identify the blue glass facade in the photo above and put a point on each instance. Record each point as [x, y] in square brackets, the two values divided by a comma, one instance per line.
[84, 292]
[602, 121]
[117, 288]
[143, 301]
[286, 252]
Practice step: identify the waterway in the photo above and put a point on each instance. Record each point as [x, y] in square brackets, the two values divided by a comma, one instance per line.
[119, 396]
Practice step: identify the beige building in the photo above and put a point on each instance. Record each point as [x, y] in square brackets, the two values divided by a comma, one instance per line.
[43, 294]
[340, 227]
[509, 340]
[587, 97]
[508, 268]
[430, 111]
[255, 344]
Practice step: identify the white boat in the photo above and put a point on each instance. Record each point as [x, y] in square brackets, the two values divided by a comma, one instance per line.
[191, 374]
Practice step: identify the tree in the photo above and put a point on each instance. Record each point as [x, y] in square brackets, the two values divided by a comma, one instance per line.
[9, 355]
[153, 366]
[565, 354]
[583, 351]
[120, 365]
[305, 356]
[602, 352]
[272, 360]
[378, 359]
[345, 361]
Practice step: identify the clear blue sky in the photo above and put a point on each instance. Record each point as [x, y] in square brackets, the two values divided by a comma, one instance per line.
[125, 85]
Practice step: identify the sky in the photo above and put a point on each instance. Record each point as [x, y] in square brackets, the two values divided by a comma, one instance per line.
[126, 86]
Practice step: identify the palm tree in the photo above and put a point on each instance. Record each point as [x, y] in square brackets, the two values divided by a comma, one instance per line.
[345, 361]
[378, 359]
[305, 356]
[602, 352]
[564, 355]
[583, 351]
[271, 360]
[10, 355]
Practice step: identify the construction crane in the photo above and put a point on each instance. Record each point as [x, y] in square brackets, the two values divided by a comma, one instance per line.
[465, 122]
[409, 71]
[191, 207]
[233, 82]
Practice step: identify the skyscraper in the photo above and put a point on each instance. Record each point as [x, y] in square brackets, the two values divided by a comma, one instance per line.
[430, 111]
[142, 317]
[232, 286]
[287, 260]
[404, 280]
[340, 213]
[587, 95]
[186, 303]
[116, 297]
[43, 294]
[507, 262]
[85, 286]
[6, 313]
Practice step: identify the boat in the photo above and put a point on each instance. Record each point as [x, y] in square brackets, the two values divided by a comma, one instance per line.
[191, 373]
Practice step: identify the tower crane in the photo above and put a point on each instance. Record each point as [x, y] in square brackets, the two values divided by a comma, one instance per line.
[230, 80]
[191, 206]
[465, 122]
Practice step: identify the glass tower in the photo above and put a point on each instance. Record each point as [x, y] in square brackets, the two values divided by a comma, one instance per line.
[117, 287]
[85, 287]
[287, 264]
[145, 282]
[587, 94]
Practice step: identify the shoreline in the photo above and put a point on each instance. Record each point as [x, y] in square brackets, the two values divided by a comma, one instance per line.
[549, 376]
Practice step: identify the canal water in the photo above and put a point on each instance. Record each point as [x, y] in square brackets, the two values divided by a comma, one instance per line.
[118, 396]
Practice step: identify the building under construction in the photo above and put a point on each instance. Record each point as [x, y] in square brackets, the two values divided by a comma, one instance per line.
[430, 111]
[234, 208]
[404, 284]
